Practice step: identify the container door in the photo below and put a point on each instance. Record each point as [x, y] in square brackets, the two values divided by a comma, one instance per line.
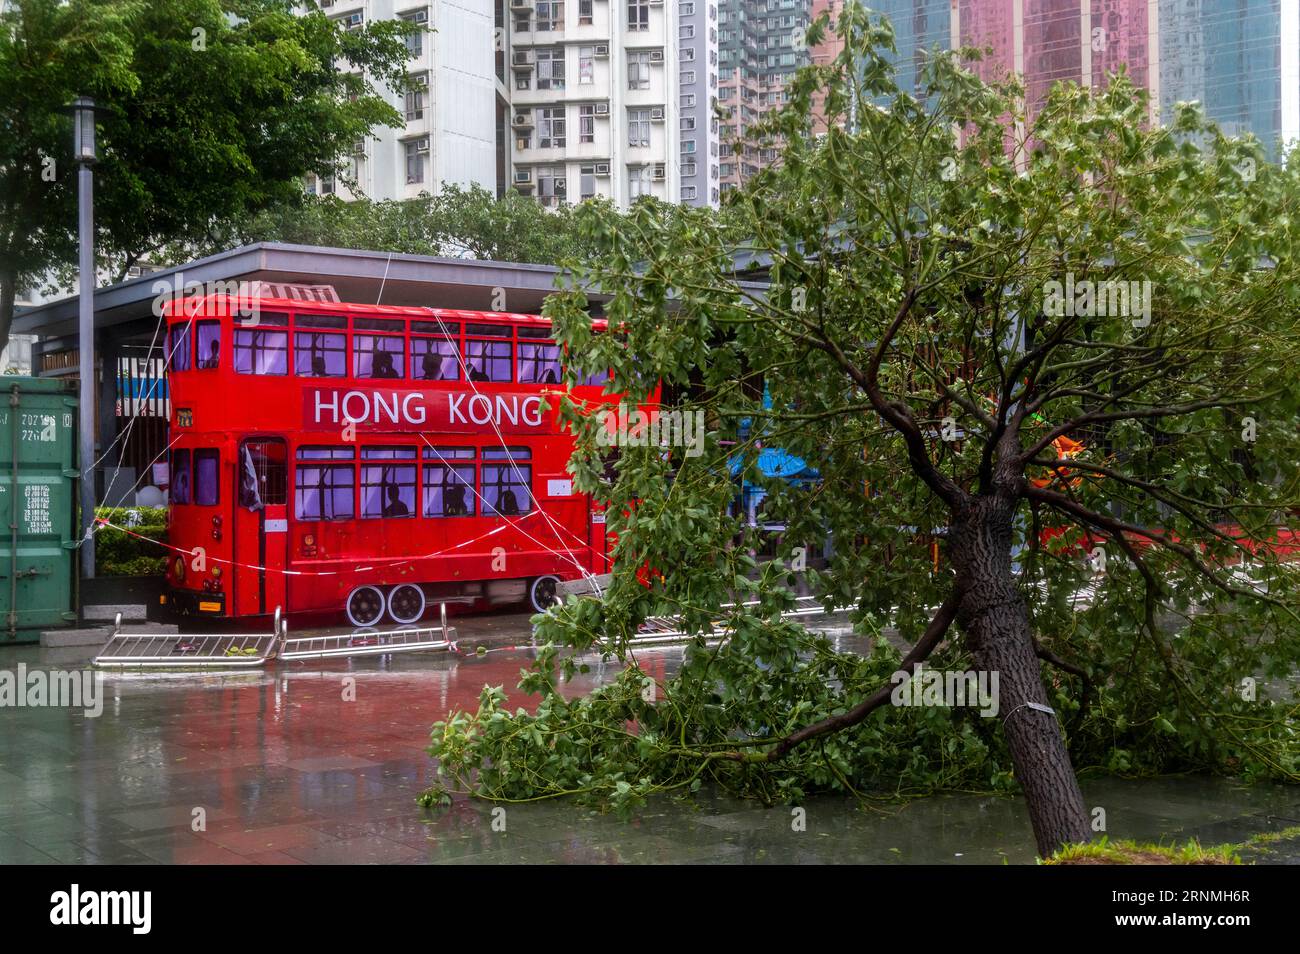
[261, 525]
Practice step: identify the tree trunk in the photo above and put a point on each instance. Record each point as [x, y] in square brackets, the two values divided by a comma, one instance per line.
[993, 617]
[8, 295]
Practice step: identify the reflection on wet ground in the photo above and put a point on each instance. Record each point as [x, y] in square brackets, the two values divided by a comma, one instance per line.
[286, 769]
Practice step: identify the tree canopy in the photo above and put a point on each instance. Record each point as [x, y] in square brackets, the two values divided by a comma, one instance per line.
[209, 109]
[986, 444]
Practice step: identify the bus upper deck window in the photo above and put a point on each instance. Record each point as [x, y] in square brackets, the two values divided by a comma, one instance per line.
[209, 344]
[378, 356]
[178, 347]
[539, 360]
[319, 354]
[489, 360]
[263, 348]
[434, 359]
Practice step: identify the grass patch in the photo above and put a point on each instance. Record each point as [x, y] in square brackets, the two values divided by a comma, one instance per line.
[1107, 852]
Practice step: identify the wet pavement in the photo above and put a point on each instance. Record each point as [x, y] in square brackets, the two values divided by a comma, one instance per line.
[320, 762]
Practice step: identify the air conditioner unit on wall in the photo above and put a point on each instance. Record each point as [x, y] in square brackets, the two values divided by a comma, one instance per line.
[522, 119]
[422, 145]
[602, 50]
[657, 114]
[659, 172]
[602, 168]
[656, 56]
[523, 176]
[602, 109]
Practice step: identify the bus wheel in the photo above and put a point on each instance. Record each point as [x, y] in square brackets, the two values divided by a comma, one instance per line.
[365, 605]
[541, 593]
[405, 603]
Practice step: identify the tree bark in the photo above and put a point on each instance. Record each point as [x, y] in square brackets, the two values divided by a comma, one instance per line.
[995, 621]
[8, 295]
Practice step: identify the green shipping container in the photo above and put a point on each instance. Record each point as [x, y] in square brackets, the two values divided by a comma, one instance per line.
[38, 506]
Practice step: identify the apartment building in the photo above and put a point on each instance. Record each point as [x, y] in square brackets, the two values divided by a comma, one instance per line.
[697, 92]
[593, 104]
[450, 129]
[761, 47]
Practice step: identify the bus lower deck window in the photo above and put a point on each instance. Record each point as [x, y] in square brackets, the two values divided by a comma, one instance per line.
[449, 489]
[324, 489]
[388, 482]
[179, 491]
[207, 480]
[507, 486]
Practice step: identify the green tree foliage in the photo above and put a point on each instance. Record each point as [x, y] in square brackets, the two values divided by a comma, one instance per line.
[211, 108]
[457, 223]
[913, 357]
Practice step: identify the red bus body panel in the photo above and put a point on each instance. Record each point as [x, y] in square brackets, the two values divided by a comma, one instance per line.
[234, 560]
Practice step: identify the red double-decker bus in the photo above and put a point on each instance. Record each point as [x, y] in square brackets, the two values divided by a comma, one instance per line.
[371, 460]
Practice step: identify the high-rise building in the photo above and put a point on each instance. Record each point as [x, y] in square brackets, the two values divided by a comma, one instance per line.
[449, 134]
[1239, 58]
[593, 107]
[697, 93]
[761, 45]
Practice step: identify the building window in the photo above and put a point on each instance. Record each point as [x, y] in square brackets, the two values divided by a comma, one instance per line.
[688, 54]
[638, 15]
[687, 100]
[688, 192]
[638, 70]
[179, 490]
[638, 181]
[550, 15]
[687, 9]
[449, 482]
[415, 98]
[587, 182]
[587, 123]
[550, 68]
[415, 42]
[415, 155]
[687, 77]
[586, 64]
[688, 123]
[688, 169]
[638, 127]
[550, 127]
[388, 483]
[688, 146]
[209, 344]
[584, 12]
[552, 188]
[686, 31]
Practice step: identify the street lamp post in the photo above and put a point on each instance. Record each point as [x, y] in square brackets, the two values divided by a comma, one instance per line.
[83, 120]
